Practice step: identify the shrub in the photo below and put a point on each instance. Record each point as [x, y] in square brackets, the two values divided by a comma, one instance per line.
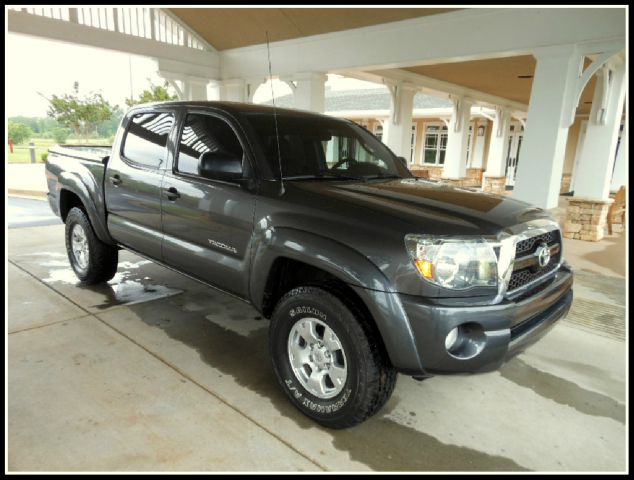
[19, 132]
[44, 156]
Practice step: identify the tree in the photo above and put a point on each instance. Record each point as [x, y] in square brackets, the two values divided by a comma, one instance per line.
[81, 114]
[60, 134]
[156, 93]
[19, 132]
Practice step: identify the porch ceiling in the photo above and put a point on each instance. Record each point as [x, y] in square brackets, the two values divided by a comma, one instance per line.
[498, 76]
[226, 28]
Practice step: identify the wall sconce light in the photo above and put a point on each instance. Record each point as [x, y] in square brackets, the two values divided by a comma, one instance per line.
[481, 131]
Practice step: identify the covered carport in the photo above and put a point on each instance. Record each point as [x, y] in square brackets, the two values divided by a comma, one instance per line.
[156, 372]
[544, 66]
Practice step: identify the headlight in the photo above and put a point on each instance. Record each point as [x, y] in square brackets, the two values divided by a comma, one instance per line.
[458, 263]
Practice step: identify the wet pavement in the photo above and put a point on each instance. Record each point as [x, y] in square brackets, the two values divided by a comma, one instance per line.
[157, 372]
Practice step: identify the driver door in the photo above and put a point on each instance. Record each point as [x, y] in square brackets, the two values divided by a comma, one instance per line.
[207, 224]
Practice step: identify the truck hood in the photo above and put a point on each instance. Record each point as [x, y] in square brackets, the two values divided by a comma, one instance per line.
[428, 206]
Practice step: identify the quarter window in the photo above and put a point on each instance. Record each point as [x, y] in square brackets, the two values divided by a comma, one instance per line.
[146, 138]
[201, 134]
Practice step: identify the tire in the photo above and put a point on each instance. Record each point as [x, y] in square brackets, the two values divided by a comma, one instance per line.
[299, 318]
[98, 261]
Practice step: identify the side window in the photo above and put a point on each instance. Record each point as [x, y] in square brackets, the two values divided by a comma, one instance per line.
[204, 133]
[146, 138]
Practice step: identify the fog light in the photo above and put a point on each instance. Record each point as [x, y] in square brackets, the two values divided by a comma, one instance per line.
[451, 339]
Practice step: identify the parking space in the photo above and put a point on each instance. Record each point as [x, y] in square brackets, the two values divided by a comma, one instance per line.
[157, 372]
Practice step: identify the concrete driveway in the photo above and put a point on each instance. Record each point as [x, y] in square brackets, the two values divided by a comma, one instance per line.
[157, 372]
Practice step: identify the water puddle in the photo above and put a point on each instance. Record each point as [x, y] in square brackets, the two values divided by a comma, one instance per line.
[128, 287]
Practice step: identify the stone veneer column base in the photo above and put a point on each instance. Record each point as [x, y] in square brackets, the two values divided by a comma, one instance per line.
[586, 218]
[494, 184]
[566, 178]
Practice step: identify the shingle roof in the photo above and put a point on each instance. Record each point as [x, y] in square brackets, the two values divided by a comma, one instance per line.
[364, 99]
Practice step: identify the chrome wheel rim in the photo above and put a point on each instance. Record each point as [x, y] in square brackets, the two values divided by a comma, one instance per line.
[79, 246]
[317, 358]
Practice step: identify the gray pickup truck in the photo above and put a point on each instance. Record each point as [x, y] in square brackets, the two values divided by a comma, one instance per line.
[364, 270]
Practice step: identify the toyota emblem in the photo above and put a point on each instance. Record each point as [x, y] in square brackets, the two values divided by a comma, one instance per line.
[543, 255]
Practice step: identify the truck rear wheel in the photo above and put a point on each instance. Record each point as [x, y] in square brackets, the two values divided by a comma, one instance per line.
[327, 359]
[92, 260]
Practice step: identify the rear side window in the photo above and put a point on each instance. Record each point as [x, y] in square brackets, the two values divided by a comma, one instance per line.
[205, 133]
[147, 137]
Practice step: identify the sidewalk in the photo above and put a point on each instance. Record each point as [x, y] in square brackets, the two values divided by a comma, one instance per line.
[26, 179]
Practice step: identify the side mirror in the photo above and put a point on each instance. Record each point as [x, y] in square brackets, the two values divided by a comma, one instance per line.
[220, 166]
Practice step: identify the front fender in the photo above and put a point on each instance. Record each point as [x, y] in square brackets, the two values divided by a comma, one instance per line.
[349, 266]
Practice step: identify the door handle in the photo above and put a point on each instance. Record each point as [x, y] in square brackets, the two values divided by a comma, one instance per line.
[172, 194]
[115, 180]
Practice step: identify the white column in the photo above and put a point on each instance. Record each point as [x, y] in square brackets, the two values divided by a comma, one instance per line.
[233, 90]
[498, 146]
[619, 176]
[457, 135]
[197, 88]
[554, 85]
[397, 129]
[594, 169]
[477, 153]
[309, 91]
[251, 85]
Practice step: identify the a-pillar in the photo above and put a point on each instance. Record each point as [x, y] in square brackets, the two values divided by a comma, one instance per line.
[455, 167]
[397, 129]
[309, 91]
[494, 177]
[586, 214]
[619, 177]
[538, 179]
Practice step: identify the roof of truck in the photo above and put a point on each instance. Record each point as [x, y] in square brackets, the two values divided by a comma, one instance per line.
[234, 107]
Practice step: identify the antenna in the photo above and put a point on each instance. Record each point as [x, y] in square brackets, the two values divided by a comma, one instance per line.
[277, 132]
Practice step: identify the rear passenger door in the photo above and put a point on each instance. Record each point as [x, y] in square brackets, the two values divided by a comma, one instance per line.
[133, 182]
[207, 224]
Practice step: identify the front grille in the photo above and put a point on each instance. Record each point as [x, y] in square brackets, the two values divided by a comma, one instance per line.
[525, 275]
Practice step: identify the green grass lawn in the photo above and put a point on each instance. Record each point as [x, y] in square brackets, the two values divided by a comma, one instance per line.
[21, 153]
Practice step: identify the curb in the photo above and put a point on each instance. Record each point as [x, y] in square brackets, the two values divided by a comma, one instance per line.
[27, 193]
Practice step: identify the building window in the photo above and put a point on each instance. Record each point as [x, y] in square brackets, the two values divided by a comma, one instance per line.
[378, 132]
[435, 144]
[413, 144]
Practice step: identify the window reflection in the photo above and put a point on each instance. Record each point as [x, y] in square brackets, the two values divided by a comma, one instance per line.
[147, 137]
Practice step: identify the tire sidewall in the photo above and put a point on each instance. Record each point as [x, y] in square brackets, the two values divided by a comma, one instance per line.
[316, 303]
[77, 217]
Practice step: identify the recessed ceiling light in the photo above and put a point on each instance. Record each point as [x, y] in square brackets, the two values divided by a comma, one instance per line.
[524, 76]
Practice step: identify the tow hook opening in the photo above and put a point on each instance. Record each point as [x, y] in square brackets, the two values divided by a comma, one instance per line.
[465, 341]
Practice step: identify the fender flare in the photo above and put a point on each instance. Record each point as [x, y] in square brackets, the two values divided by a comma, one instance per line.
[349, 266]
[93, 204]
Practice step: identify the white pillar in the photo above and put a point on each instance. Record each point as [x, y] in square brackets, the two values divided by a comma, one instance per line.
[594, 168]
[233, 90]
[309, 91]
[397, 129]
[554, 85]
[457, 135]
[477, 153]
[498, 146]
[619, 176]
[197, 88]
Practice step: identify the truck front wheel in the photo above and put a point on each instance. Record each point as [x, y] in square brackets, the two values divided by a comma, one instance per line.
[92, 260]
[327, 359]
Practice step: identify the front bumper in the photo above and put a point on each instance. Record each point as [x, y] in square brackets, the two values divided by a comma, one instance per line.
[504, 330]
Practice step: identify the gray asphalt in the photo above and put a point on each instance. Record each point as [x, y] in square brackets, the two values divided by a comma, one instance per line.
[29, 212]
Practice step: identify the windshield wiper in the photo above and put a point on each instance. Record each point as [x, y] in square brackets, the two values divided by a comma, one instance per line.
[374, 177]
[322, 176]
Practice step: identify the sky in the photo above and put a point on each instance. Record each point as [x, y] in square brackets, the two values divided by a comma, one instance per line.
[49, 67]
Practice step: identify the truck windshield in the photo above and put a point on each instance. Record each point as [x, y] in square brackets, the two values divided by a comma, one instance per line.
[323, 148]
